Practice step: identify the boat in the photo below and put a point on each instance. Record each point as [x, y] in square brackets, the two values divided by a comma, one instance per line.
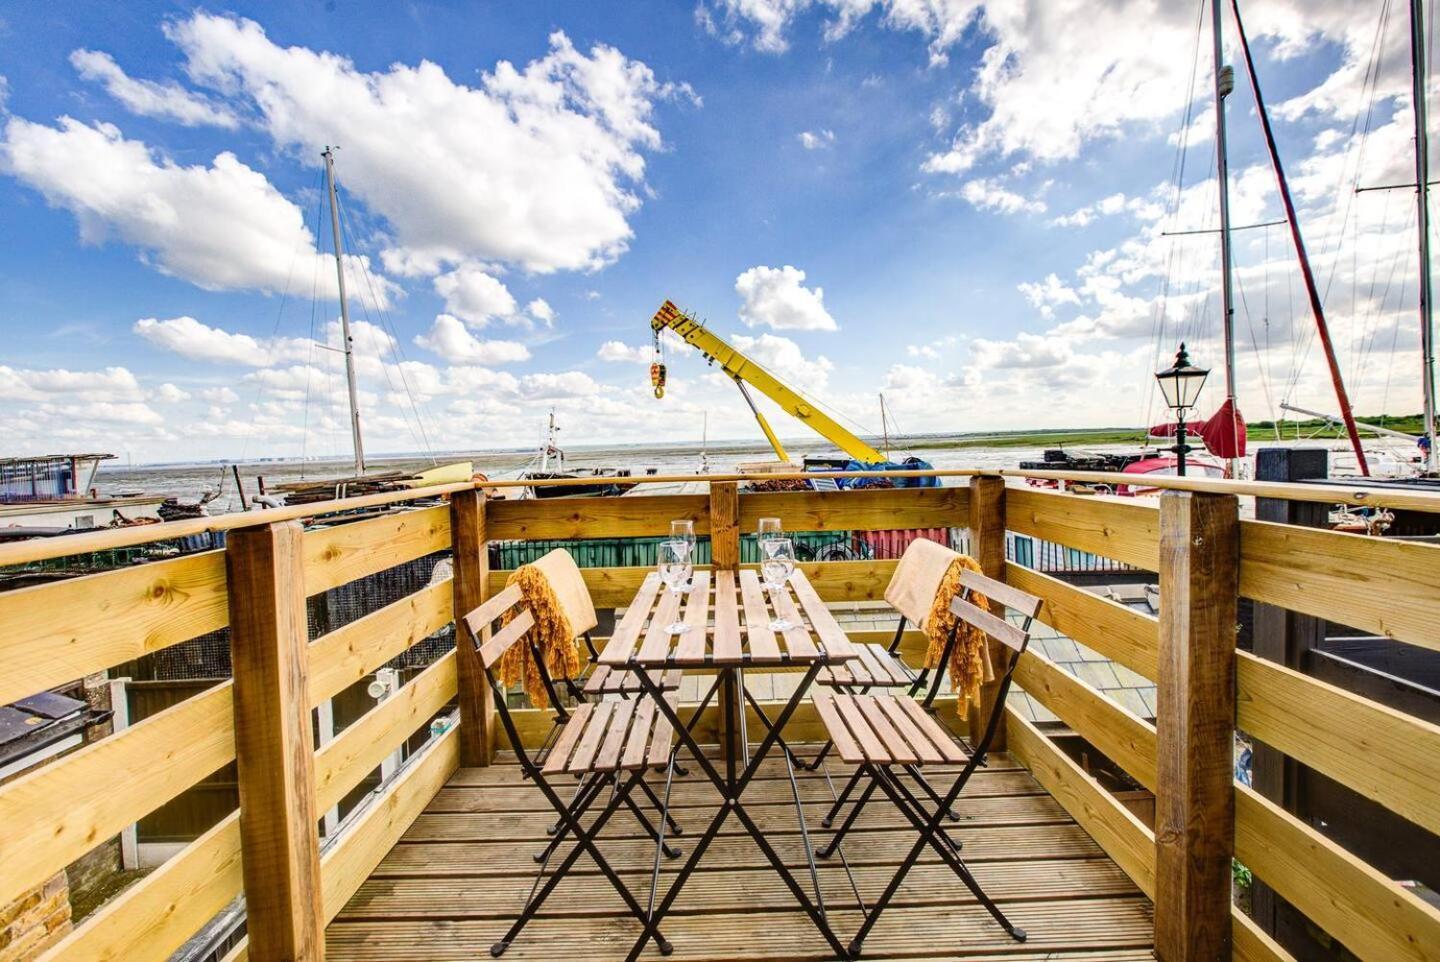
[54, 494]
[604, 481]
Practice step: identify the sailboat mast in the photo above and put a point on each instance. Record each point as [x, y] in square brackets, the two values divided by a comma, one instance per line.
[1224, 84]
[884, 426]
[344, 311]
[1422, 202]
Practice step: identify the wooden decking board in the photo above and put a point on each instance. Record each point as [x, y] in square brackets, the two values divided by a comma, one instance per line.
[690, 793]
[503, 827]
[886, 846]
[457, 878]
[755, 889]
[1119, 923]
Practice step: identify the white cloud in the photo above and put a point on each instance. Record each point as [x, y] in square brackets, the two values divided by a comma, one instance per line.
[620, 352]
[563, 384]
[764, 22]
[776, 297]
[535, 166]
[121, 188]
[28, 384]
[171, 394]
[219, 395]
[1047, 294]
[200, 342]
[1026, 351]
[474, 296]
[815, 140]
[148, 98]
[448, 338]
[540, 310]
[783, 358]
[767, 18]
[987, 193]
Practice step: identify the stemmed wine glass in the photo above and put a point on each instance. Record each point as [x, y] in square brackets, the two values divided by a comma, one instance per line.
[777, 561]
[675, 569]
[684, 530]
[768, 529]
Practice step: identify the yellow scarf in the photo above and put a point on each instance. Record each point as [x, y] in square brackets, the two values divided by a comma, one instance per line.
[970, 658]
[552, 636]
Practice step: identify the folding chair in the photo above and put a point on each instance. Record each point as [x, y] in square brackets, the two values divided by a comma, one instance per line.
[880, 733]
[604, 744]
[911, 592]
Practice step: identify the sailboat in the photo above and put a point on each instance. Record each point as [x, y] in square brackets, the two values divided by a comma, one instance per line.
[605, 481]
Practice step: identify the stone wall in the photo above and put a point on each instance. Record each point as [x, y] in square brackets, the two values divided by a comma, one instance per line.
[35, 921]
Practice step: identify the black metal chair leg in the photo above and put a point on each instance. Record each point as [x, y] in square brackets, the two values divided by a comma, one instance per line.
[843, 798]
[914, 772]
[814, 764]
[649, 792]
[650, 829]
[849, 822]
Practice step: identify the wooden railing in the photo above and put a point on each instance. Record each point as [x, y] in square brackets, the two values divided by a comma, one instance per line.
[1204, 554]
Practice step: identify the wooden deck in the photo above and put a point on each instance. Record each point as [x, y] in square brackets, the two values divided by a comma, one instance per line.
[457, 879]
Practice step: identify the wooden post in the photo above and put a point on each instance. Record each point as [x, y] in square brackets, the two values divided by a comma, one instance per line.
[725, 524]
[1195, 744]
[1286, 637]
[987, 546]
[472, 569]
[274, 743]
[725, 556]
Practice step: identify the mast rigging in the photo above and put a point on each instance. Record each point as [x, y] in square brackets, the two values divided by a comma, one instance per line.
[344, 311]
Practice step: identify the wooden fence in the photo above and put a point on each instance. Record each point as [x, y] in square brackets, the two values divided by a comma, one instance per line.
[1204, 554]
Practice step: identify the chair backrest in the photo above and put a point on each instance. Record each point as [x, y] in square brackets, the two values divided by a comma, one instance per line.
[1014, 637]
[568, 584]
[484, 616]
[917, 577]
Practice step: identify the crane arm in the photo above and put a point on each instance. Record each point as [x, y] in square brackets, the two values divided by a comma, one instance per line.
[744, 371]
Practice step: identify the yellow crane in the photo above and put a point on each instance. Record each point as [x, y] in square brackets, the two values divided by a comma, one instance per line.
[742, 370]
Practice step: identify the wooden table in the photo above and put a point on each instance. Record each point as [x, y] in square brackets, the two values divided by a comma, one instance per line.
[729, 615]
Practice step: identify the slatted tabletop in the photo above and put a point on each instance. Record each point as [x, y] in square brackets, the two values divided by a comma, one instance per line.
[729, 615]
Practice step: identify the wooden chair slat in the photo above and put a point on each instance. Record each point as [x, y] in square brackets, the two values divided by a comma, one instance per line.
[836, 729]
[635, 746]
[764, 649]
[927, 751]
[481, 618]
[501, 641]
[997, 628]
[608, 758]
[590, 740]
[690, 649]
[661, 736]
[931, 727]
[726, 645]
[1022, 601]
[560, 752]
[897, 749]
[871, 746]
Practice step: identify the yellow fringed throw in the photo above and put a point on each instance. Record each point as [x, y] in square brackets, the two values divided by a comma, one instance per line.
[552, 636]
[970, 658]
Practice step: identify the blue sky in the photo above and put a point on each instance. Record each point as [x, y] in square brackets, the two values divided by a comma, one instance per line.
[961, 206]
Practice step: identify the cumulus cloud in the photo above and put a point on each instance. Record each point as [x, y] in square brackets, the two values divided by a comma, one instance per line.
[540, 310]
[783, 357]
[764, 22]
[448, 338]
[148, 98]
[1026, 351]
[31, 384]
[777, 297]
[620, 352]
[171, 394]
[536, 166]
[815, 140]
[200, 342]
[474, 296]
[987, 193]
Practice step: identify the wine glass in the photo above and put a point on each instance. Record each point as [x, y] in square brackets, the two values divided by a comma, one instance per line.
[675, 569]
[684, 530]
[769, 528]
[777, 561]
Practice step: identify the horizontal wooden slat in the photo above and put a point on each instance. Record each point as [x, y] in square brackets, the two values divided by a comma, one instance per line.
[340, 554]
[870, 509]
[1249, 943]
[1108, 627]
[342, 657]
[344, 762]
[1111, 527]
[57, 632]
[1114, 827]
[1374, 584]
[365, 842]
[1124, 738]
[833, 580]
[633, 516]
[1381, 753]
[1372, 915]
[152, 918]
[54, 814]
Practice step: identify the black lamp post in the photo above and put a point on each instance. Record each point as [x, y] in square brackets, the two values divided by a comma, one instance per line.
[1181, 384]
